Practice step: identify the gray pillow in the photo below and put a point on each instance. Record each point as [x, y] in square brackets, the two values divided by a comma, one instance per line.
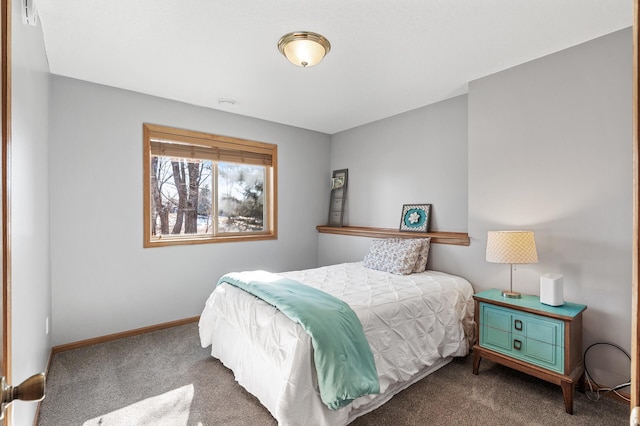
[394, 255]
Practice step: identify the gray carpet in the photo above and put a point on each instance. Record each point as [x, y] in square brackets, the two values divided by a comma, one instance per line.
[165, 378]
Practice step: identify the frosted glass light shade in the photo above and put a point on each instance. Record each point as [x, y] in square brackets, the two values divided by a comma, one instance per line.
[304, 49]
[511, 247]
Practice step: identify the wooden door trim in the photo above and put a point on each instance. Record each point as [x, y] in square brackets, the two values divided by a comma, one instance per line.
[635, 317]
[5, 71]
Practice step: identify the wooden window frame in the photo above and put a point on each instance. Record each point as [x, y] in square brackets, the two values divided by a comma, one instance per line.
[218, 148]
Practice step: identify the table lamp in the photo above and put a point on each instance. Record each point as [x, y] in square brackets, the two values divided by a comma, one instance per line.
[512, 247]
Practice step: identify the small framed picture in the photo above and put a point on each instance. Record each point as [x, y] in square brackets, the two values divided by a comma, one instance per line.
[337, 182]
[415, 217]
[337, 201]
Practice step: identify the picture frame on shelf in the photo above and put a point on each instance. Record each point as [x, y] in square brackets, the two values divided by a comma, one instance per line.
[337, 201]
[415, 217]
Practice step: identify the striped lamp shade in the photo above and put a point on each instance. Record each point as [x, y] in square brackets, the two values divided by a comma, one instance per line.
[511, 247]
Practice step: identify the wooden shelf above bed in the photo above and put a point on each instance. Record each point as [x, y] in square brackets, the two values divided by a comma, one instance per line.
[455, 238]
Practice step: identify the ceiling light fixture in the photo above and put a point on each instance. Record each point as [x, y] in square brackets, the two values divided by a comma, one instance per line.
[304, 48]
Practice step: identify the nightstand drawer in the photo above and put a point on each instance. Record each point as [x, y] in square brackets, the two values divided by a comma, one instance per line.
[535, 339]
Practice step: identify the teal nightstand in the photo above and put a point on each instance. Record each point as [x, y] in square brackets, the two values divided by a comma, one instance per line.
[524, 334]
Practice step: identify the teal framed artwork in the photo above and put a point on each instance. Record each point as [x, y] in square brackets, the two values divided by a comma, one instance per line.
[415, 217]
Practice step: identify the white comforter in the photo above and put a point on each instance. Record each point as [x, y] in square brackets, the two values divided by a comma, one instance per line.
[414, 324]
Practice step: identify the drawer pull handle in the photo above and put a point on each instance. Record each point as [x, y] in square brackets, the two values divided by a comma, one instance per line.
[517, 344]
[518, 325]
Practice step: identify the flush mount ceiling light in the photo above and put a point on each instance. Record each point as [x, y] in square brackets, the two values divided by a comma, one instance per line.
[304, 48]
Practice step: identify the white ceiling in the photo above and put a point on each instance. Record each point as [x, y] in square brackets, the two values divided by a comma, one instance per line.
[387, 56]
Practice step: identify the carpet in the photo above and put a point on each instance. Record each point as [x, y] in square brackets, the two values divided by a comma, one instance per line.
[165, 378]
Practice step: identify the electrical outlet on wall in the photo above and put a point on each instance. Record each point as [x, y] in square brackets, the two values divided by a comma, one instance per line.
[29, 12]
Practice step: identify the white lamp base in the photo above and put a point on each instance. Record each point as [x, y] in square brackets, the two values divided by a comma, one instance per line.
[511, 294]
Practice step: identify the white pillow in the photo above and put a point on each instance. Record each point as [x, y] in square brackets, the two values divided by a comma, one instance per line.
[397, 256]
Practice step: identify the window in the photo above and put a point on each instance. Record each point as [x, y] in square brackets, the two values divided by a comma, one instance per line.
[203, 188]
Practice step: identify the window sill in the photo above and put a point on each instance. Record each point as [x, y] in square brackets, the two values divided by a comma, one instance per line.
[454, 238]
[164, 242]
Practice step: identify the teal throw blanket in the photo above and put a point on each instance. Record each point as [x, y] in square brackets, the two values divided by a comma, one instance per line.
[344, 362]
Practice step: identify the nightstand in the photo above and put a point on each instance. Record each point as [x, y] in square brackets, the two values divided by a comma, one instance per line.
[526, 335]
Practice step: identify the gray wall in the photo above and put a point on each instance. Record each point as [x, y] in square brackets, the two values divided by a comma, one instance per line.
[30, 272]
[416, 157]
[548, 149]
[103, 281]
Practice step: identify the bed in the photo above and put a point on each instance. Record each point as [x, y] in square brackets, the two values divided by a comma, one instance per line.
[414, 322]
